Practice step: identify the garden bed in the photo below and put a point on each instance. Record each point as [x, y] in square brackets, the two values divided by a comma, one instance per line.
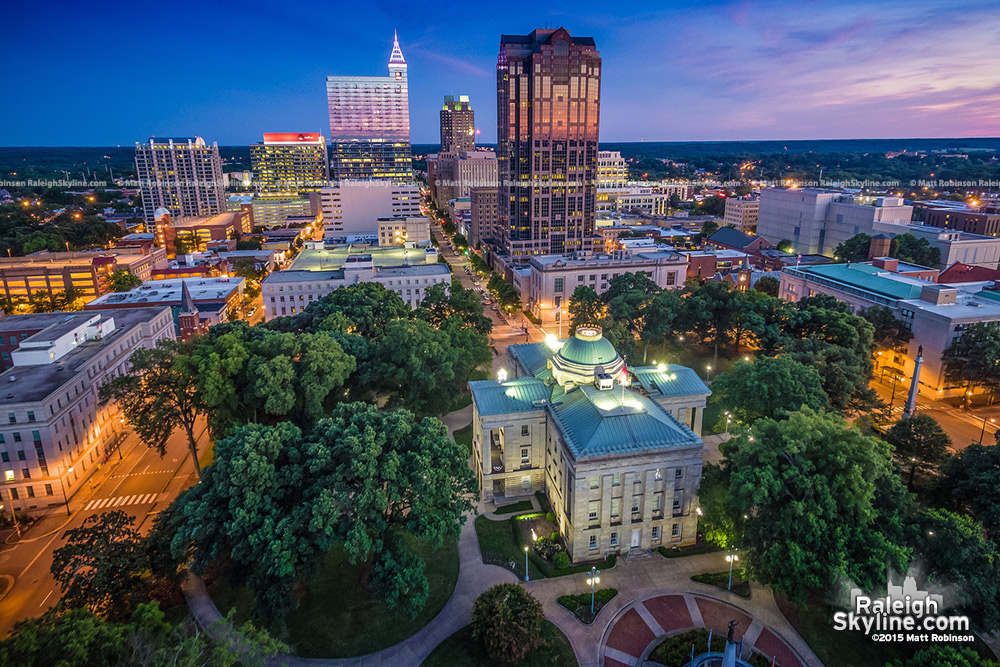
[740, 586]
[515, 508]
[676, 650]
[694, 550]
[580, 604]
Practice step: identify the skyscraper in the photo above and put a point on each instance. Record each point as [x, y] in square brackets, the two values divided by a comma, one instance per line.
[183, 176]
[290, 162]
[548, 109]
[370, 124]
[458, 125]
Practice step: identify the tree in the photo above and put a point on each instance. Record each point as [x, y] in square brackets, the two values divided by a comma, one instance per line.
[122, 280]
[460, 242]
[770, 387]
[368, 306]
[362, 477]
[254, 374]
[508, 620]
[918, 442]
[854, 249]
[658, 320]
[158, 394]
[247, 268]
[101, 566]
[821, 501]
[709, 228]
[785, 245]
[585, 307]
[715, 521]
[890, 333]
[970, 482]
[768, 285]
[956, 556]
[505, 294]
[908, 248]
[974, 358]
[440, 303]
[945, 656]
[709, 311]
[630, 297]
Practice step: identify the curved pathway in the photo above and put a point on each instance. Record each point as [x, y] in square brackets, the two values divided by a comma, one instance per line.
[637, 582]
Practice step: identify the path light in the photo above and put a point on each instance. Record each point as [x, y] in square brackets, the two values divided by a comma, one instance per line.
[593, 578]
[732, 558]
[661, 368]
[526, 576]
[501, 375]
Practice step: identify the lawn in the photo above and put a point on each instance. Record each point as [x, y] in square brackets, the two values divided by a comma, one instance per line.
[461, 650]
[847, 649]
[721, 580]
[514, 508]
[503, 541]
[681, 552]
[463, 436]
[338, 617]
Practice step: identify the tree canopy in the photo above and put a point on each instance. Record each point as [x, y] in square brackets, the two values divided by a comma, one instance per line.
[122, 280]
[770, 387]
[508, 620]
[918, 442]
[360, 478]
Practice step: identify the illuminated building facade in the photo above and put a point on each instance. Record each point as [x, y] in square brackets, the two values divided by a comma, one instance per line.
[458, 125]
[290, 162]
[183, 176]
[548, 110]
[370, 124]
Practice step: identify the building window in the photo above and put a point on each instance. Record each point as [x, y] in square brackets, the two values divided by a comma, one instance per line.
[593, 542]
[48, 489]
[657, 475]
[11, 419]
[677, 505]
[656, 533]
[635, 504]
[614, 539]
[524, 429]
[658, 502]
[31, 491]
[616, 507]
[678, 473]
[593, 508]
[31, 416]
[13, 492]
[5, 457]
[675, 530]
[525, 454]
[595, 482]
[25, 473]
[616, 479]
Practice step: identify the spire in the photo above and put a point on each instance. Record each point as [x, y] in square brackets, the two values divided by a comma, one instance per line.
[396, 57]
[187, 301]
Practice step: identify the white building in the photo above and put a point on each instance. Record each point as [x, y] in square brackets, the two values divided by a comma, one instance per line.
[183, 176]
[816, 221]
[555, 277]
[612, 169]
[409, 272]
[354, 207]
[55, 432]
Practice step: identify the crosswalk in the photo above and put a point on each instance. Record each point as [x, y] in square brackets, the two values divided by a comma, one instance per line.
[148, 472]
[121, 501]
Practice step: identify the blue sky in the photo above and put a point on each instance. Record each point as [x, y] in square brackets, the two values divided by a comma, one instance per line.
[116, 72]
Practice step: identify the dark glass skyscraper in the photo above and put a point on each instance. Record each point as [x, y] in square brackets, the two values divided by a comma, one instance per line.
[548, 113]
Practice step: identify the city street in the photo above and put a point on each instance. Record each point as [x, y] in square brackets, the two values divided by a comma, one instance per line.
[140, 484]
[964, 427]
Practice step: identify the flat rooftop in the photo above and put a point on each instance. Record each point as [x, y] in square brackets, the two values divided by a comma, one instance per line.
[334, 258]
[34, 383]
[168, 291]
[229, 217]
[80, 258]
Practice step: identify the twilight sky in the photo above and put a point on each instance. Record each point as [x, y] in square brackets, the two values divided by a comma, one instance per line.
[97, 74]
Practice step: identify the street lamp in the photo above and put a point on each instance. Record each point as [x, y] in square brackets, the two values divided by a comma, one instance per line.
[593, 578]
[526, 576]
[982, 433]
[63, 485]
[708, 373]
[895, 379]
[732, 558]
[13, 516]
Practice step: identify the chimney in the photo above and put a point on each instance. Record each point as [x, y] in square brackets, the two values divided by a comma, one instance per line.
[887, 263]
[879, 246]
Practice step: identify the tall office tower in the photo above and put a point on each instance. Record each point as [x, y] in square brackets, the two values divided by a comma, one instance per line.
[370, 124]
[458, 125]
[548, 108]
[183, 176]
[290, 162]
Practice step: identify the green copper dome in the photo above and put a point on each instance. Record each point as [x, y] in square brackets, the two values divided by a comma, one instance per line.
[588, 347]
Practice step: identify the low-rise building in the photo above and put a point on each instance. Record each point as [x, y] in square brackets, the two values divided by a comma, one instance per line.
[402, 231]
[705, 264]
[555, 277]
[56, 432]
[617, 451]
[612, 169]
[192, 234]
[214, 299]
[955, 245]
[87, 272]
[985, 221]
[936, 314]
[314, 273]
[354, 207]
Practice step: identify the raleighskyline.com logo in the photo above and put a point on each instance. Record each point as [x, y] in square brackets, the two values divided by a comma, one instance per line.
[904, 614]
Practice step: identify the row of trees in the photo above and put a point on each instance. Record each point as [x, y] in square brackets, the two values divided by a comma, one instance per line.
[905, 247]
[819, 332]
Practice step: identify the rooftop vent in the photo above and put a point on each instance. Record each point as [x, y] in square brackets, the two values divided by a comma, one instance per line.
[604, 381]
[12, 378]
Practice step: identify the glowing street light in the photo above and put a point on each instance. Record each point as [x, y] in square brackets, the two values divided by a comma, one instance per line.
[732, 558]
[526, 576]
[708, 373]
[501, 375]
[593, 578]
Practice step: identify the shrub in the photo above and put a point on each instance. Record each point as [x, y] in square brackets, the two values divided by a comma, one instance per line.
[549, 516]
[546, 547]
[554, 535]
[561, 560]
[508, 620]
